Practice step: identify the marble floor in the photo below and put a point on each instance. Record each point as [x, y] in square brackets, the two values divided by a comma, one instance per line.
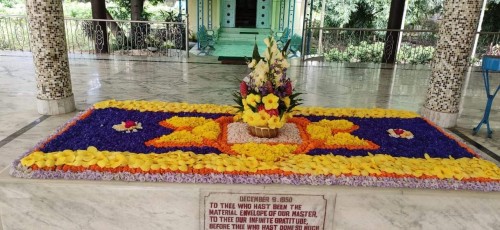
[203, 80]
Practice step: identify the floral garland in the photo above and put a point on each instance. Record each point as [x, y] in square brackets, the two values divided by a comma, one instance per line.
[192, 146]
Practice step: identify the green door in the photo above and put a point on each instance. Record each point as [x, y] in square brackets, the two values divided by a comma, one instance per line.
[228, 13]
[263, 17]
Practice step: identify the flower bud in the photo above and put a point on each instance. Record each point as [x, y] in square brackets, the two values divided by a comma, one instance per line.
[243, 89]
[288, 88]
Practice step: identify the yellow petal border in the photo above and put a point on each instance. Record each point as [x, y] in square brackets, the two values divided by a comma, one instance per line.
[177, 107]
[372, 165]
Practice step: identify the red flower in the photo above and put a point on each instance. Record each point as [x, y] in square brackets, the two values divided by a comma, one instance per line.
[272, 112]
[399, 131]
[243, 89]
[260, 108]
[129, 124]
[269, 87]
[288, 88]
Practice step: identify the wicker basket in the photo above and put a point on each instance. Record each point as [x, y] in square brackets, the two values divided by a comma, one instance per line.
[263, 132]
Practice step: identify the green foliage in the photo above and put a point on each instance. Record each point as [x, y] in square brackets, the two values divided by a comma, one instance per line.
[415, 54]
[375, 13]
[354, 13]
[120, 10]
[77, 10]
[366, 52]
[192, 36]
[421, 14]
[168, 16]
[294, 102]
[363, 52]
[239, 101]
[11, 3]
[159, 12]
[362, 17]
[154, 10]
[12, 7]
[492, 17]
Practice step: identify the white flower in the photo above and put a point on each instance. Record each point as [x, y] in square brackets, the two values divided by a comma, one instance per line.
[267, 41]
[252, 63]
[275, 49]
[259, 81]
[277, 78]
[261, 67]
[285, 64]
[260, 74]
[267, 55]
[246, 79]
[279, 56]
[261, 78]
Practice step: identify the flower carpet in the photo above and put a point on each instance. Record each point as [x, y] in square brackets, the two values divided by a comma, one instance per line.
[204, 143]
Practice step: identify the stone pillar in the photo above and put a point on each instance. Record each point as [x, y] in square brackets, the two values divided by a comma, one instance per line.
[456, 33]
[50, 55]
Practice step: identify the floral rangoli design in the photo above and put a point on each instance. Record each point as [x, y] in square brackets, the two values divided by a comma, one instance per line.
[197, 143]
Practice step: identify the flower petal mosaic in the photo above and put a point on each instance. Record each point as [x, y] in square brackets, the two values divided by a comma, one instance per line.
[204, 143]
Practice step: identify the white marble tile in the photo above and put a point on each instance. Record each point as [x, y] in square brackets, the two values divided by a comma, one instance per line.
[59, 204]
[62, 206]
[20, 145]
[416, 211]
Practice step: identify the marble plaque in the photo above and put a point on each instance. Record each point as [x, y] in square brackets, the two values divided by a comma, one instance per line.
[263, 211]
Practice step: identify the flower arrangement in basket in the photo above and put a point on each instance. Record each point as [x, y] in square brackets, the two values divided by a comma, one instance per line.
[493, 50]
[266, 95]
[491, 60]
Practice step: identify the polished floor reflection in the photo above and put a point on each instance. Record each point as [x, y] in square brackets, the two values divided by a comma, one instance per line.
[203, 80]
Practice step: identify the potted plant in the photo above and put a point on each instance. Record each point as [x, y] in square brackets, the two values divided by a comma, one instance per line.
[192, 39]
[266, 96]
[491, 60]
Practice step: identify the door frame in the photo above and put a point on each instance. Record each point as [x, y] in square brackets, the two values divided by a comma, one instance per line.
[269, 17]
[221, 15]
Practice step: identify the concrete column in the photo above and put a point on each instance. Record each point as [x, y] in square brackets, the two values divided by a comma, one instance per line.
[50, 55]
[456, 33]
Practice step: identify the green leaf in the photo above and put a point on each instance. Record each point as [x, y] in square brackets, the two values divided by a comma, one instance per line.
[293, 96]
[255, 54]
[285, 48]
[253, 108]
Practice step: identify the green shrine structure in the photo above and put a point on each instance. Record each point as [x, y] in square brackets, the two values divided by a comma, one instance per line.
[237, 24]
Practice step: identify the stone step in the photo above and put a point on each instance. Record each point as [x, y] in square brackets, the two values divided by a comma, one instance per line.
[245, 31]
[242, 35]
[226, 37]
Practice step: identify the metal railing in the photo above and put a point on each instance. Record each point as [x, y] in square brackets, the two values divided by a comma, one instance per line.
[169, 39]
[120, 37]
[14, 33]
[484, 41]
[368, 45]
